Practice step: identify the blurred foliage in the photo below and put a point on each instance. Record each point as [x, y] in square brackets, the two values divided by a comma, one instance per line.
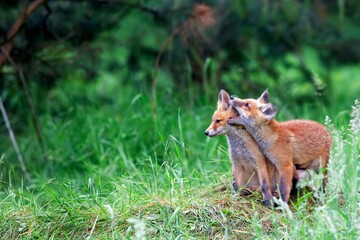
[246, 45]
[306, 52]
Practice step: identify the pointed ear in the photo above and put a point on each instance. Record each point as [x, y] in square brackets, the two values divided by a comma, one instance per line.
[264, 98]
[223, 100]
[268, 110]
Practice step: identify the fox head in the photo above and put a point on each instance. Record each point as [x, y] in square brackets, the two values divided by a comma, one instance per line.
[223, 113]
[253, 112]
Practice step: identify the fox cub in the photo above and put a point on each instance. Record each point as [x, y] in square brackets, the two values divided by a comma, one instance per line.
[250, 169]
[303, 143]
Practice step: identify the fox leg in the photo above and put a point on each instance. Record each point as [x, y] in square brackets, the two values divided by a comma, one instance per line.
[321, 165]
[324, 163]
[264, 181]
[286, 176]
[240, 177]
[250, 182]
[236, 173]
[274, 178]
[244, 180]
[318, 165]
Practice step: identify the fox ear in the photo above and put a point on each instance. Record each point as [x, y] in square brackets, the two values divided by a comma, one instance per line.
[264, 98]
[269, 111]
[223, 100]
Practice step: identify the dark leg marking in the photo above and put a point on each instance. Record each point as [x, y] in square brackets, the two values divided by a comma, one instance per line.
[235, 185]
[265, 189]
[294, 189]
[284, 192]
[245, 192]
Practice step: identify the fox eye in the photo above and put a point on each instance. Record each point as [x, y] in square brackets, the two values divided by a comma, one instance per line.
[247, 105]
[217, 120]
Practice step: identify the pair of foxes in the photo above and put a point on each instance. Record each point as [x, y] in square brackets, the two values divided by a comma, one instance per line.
[266, 153]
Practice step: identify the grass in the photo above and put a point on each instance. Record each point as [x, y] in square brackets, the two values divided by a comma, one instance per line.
[116, 172]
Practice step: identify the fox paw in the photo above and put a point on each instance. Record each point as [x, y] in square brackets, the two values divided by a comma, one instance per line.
[270, 203]
[245, 192]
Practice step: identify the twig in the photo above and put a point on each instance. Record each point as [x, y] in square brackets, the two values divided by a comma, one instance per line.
[29, 101]
[13, 140]
[16, 27]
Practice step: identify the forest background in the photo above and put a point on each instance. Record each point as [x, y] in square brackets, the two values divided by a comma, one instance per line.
[108, 101]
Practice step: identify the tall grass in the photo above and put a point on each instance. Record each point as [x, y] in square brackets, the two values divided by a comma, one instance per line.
[116, 171]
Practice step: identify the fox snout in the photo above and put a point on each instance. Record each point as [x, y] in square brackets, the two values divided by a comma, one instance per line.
[210, 132]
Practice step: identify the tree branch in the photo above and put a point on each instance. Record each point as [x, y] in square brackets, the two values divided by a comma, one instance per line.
[16, 27]
[34, 119]
[13, 140]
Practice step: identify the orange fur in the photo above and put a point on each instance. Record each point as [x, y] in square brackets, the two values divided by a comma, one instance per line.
[302, 143]
[250, 169]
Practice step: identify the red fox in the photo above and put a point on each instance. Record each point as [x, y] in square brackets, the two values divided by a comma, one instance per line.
[250, 169]
[302, 143]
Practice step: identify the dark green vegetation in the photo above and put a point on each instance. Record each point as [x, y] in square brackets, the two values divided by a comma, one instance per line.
[116, 164]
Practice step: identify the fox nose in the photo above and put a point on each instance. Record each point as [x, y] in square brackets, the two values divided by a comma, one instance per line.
[206, 133]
